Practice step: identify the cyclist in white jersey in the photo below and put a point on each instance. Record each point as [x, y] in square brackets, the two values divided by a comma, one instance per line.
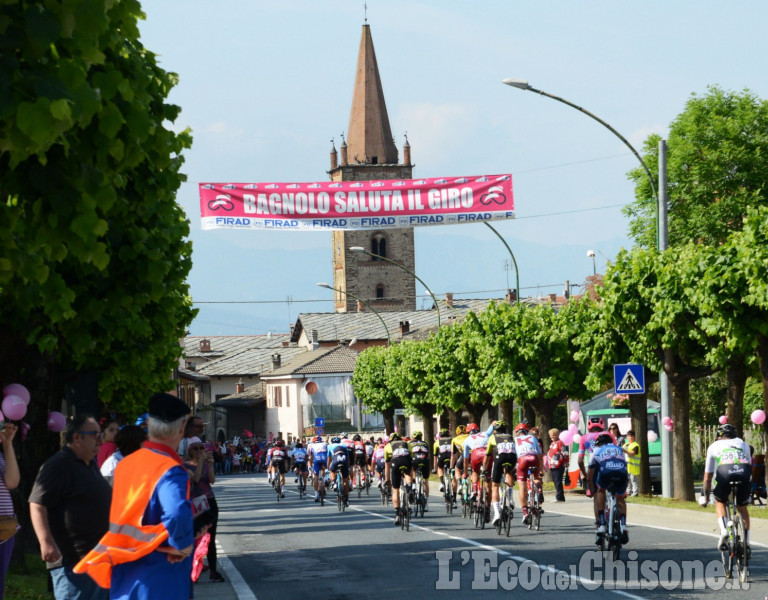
[729, 460]
[318, 452]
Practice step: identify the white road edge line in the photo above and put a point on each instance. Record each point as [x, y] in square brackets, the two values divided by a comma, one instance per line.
[520, 559]
[239, 585]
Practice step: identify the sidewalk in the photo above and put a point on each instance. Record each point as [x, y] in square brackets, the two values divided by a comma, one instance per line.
[234, 588]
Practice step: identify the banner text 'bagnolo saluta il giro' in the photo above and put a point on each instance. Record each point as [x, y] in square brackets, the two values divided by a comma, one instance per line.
[380, 204]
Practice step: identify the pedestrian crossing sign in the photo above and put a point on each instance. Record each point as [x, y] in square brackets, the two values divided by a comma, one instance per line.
[629, 379]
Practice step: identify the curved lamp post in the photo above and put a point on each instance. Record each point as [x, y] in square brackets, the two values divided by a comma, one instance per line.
[407, 270]
[368, 304]
[661, 245]
[514, 262]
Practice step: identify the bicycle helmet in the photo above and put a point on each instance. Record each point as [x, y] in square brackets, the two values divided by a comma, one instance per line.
[357, 437]
[603, 439]
[726, 430]
[416, 435]
[472, 428]
[500, 426]
[336, 440]
[461, 430]
[443, 432]
[521, 428]
[395, 437]
[596, 424]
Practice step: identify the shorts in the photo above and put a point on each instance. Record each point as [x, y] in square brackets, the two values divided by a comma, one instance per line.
[341, 465]
[727, 474]
[444, 460]
[279, 465]
[421, 464]
[525, 462]
[477, 459]
[380, 464]
[317, 466]
[614, 481]
[503, 463]
[301, 466]
[361, 459]
[395, 473]
[459, 464]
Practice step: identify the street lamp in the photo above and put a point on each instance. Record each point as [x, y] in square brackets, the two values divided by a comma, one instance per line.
[368, 304]
[514, 262]
[661, 245]
[407, 270]
[591, 254]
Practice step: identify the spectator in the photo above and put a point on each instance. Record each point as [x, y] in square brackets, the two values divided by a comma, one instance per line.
[632, 450]
[109, 430]
[195, 427]
[147, 553]
[199, 466]
[69, 509]
[557, 458]
[9, 480]
[613, 429]
[218, 459]
[128, 440]
[228, 453]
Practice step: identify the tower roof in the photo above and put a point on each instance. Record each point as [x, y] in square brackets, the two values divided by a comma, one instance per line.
[369, 138]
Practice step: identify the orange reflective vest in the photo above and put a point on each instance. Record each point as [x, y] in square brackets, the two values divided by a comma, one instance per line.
[128, 539]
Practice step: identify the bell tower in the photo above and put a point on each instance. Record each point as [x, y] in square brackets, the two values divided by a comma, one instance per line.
[369, 153]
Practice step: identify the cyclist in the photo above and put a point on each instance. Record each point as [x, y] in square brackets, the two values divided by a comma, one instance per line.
[528, 458]
[279, 463]
[500, 459]
[442, 452]
[350, 446]
[369, 457]
[361, 457]
[728, 461]
[377, 460]
[318, 451]
[595, 426]
[474, 452]
[338, 460]
[299, 463]
[608, 468]
[396, 455]
[420, 461]
[270, 470]
[457, 459]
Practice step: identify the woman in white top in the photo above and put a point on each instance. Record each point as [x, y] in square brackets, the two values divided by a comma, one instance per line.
[128, 440]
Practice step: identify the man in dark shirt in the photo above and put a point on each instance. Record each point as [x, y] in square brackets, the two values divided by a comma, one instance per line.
[69, 508]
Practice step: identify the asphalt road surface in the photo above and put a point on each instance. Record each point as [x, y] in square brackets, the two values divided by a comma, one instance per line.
[296, 548]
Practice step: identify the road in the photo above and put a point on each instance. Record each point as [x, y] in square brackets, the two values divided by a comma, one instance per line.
[296, 547]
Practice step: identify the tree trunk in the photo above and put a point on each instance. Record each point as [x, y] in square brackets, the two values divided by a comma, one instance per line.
[444, 420]
[638, 408]
[529, 412]
[476, 412]
[389, 419]
[681, 440]
[428, 418]
[508, 412]
[453, 420]
[545, 409]
[762, 354]
[737, 380]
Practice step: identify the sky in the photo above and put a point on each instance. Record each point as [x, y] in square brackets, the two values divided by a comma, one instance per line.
[265, 86]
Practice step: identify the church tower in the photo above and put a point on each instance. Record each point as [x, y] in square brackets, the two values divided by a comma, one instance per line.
[369, 153]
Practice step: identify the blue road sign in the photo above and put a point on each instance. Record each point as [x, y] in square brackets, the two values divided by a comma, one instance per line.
[628, 379]
[319, 422]
[319, 431]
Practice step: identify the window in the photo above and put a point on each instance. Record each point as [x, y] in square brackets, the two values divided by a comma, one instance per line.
[287, 396]
[379, 291]
[278, 396]
[379, 246]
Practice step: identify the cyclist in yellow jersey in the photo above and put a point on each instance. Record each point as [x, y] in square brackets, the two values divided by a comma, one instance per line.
[457, 460]
[500, 461]
[419, 450]
[397, 452]
[442, 452]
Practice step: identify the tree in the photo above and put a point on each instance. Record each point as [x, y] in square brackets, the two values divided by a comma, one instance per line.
[716, 168]
[93, 249]
[370, 385]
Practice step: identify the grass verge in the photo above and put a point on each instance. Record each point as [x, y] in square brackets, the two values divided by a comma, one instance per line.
[31, 583]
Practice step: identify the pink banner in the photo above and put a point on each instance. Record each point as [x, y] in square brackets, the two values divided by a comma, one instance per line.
[381, 204]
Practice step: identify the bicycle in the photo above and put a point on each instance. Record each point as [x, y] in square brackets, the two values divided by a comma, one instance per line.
[359, 480]
[481, 497]
[405, 504]
[420, 497]
[341, 499]
[466, 499]
[610, 541]
[507, 508]
[534, 507]
[302, 486]
[735, 554]
[386, 493]
[448, 489]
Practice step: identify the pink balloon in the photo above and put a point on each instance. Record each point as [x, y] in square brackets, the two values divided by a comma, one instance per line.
[56, 421]
[16, 389]
[14, 408]
[666, 421]
[564, 436]
[573, 429]
[574, 416]
[577, 438]
[723, 420]
[652, 436]
[758, 417]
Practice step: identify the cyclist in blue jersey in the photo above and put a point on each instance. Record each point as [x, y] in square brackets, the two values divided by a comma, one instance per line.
[339, 462]
[608, 471]
[299, 462]
[318, 454]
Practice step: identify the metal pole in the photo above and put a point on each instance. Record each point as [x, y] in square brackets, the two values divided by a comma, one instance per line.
[514, 262]
[368, 304]
[667, 490]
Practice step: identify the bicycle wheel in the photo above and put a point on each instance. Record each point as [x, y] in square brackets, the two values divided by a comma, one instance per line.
[740, 554]
[482, 507]
[616, 533]
[508, 520]
[500, 522]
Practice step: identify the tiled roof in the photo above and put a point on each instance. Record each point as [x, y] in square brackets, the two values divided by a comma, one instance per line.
[224, 345]
[253, 361]
[251, 396]
[366, 326]
[339, 359]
